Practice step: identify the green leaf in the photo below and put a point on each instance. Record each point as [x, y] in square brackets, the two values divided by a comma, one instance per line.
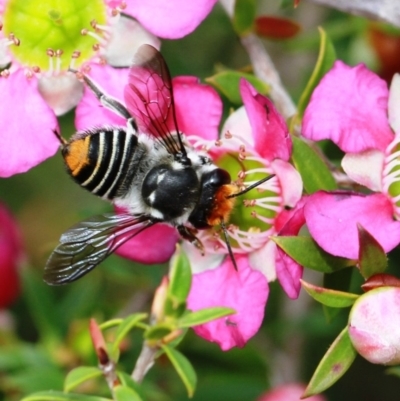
[127, 381]
[203, 316]
[372, 257]
[333, 365]
[158, 331]
[124, 393]
[227, 82]
[328, 297]
[314, 172]
[307, 253]
[60, 396]
[326, 58]
[180, 279]
[79, 375]
[183, 367]
[124, 328]
[243, 16]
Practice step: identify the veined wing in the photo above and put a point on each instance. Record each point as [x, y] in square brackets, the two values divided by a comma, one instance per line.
[88, 243]
[149, 98]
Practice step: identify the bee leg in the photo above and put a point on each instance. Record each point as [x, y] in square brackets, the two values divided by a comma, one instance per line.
[112, 104]
[188, 234]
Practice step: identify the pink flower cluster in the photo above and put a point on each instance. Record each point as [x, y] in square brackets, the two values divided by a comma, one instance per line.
[267, 141]
[354, 108]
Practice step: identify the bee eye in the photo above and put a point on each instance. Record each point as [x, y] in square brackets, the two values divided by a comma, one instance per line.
[217, 178]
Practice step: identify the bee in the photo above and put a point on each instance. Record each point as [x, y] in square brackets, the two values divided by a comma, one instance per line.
[144, 168]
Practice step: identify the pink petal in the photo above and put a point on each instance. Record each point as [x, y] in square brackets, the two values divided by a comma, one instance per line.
[349, 106]
[89, 112]
[263, 260]
[332, 221]
[154, 245]
[270, 133]
[169, 19]
[198, 107]
[238, 124]
[394, 104]
[290, 182]
[288, 271]
[61, 92]
[374, 326]
[126, 37]
[28, 125]
[245, 290]
[365, 168]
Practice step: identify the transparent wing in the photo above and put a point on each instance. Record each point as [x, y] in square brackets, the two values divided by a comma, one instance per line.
[149, 98]
[88, 243]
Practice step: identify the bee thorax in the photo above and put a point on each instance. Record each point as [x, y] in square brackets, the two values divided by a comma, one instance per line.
[172, 192]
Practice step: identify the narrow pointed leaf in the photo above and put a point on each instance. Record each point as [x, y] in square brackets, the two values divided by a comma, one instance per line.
[158, 332]
[183, 367]
[372, 257]
[227, 82]
[328, 297]
[180, 279]
[79, 375]
[127, 381]
[307, 253]
[243, 16]
[123, 329]
[124, 393]
[203, 316]
[314, 172]
[326, 58]
[333, 365]
[60, 396]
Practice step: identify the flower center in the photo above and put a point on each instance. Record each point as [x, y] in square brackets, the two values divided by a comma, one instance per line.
[51, 28]
[252, 221]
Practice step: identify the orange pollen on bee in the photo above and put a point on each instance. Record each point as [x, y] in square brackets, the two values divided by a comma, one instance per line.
[77, 155]
[222, 206]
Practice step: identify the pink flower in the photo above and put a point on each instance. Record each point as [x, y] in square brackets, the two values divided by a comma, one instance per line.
[374, 326]
[258, 143]
[353, 107]
[38, 45]
[288, 392]
[10, 255]
[246, 291]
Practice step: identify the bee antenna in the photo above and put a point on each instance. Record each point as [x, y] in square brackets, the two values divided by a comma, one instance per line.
[250, 187]
[228, 244]
[60, 138]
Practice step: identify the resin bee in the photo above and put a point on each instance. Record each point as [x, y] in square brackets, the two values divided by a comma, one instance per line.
[156, 176]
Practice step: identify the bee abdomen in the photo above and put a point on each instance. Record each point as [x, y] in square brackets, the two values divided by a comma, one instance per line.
[100, 161]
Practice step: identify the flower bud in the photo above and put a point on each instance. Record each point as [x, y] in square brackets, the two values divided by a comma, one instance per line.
[374, 325]
[10, 254]
[289, 392]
